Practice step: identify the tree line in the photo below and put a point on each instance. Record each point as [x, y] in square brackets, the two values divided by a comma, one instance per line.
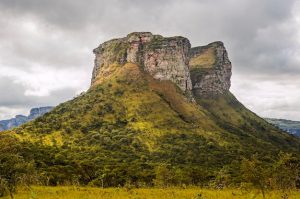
[17, 169]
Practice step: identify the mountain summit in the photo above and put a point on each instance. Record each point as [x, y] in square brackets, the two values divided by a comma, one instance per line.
[205, 70]
[155, 104]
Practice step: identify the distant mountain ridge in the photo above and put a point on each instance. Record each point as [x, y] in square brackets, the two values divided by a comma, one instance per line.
[21, 119]
[292, 127]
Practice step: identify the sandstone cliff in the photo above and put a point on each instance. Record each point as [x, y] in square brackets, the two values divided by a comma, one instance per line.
[204, 70]
[210, 69]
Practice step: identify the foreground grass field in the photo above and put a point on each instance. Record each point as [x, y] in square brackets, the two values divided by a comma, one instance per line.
[150, 193]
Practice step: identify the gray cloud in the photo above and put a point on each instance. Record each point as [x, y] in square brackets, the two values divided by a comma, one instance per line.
[262, 38]
[13, 95]
[14, 101]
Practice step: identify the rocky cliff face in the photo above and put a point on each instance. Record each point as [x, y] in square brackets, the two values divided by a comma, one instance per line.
[205, 70]
[21, 119]
[163, 58]
[210, 70]
[37, 112]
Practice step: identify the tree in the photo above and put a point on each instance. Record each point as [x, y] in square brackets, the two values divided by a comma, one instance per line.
[182, 176]
[163, 176]
[255, 172]
[223, 177]
[14, 170]
[286, 172]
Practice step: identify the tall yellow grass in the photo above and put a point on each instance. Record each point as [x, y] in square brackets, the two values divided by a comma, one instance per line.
[146, 193]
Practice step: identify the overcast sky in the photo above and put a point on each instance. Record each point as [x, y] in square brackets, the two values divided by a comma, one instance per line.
[46, 46]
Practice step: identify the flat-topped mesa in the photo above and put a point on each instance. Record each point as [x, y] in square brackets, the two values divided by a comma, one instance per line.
[210, 70]
[204, 71]
[165, 58]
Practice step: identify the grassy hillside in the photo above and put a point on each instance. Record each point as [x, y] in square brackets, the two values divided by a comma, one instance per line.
[252, 130]
[132, 129]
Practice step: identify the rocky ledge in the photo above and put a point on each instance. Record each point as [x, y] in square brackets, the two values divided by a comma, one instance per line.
[204, 71]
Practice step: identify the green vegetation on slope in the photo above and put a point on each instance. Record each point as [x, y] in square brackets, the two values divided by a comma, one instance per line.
[254, 132]
[132, 129]
[205, 60]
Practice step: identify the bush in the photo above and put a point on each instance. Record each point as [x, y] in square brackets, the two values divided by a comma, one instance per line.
[14, 170]
[286, 171]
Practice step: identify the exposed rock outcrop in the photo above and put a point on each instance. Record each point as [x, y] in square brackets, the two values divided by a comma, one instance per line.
[37, 112]
[210, 70]
[163, 58]
[205, 70]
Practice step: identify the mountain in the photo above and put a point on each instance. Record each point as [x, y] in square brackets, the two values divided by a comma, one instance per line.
[21, 119]
[292, 127]
[156, 106]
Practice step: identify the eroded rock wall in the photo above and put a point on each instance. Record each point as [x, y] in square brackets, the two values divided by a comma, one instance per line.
[210, 70]
[204, 71]
[163, 58]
